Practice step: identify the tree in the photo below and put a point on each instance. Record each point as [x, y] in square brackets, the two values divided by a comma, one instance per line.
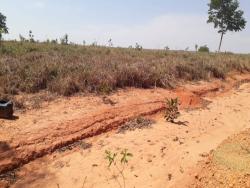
[3, 27]
[226, 16]
[196, 47]
[166, 48]
[65, 39]
[54, 41]
[138, 47]
[110, 43]
[203, 49]
[84, 43]
[31, 36]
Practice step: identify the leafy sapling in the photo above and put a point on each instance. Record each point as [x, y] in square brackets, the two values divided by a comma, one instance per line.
[112, 160]
[172, 110]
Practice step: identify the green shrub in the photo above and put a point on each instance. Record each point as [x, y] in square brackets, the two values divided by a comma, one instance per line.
[203, 49]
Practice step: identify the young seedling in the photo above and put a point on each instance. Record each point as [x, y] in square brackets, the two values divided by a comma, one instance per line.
[110, 157]
[172, 110]
[124, 159]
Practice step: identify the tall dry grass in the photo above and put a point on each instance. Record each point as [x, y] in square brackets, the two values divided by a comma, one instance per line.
[69, 69]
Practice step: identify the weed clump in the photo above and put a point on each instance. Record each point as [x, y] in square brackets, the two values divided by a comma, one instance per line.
[172, 110]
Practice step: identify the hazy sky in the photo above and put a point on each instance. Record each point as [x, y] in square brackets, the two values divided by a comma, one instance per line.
[152, 23]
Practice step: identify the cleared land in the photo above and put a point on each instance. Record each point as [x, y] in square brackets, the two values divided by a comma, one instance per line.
[164, 155]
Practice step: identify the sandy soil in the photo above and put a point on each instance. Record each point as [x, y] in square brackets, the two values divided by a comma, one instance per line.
[163, 156]
[228, 165]
[65, 121]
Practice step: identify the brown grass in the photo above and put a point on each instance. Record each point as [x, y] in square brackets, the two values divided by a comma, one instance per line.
[69, 69]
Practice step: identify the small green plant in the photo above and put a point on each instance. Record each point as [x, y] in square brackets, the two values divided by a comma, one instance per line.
[110, 157]
[112, 160]
[172, 110]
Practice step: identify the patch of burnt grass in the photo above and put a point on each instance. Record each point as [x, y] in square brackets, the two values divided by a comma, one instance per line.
[138, 123]
[80, 144]
[9, 178]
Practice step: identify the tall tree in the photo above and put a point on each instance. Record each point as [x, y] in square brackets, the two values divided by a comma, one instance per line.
[3, 27]
[226, 16]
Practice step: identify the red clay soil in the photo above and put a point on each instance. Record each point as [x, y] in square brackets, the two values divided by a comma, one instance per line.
[27, 146]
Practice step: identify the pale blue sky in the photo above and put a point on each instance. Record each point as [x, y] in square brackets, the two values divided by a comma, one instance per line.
[152, 23]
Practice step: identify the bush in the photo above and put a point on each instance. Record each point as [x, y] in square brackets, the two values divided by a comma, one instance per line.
[172, 110]
[203, 49]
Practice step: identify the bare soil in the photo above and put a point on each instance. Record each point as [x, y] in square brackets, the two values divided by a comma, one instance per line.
[163, 155]
[228, 165]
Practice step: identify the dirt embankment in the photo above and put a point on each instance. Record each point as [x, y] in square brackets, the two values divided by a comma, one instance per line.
[164, 154]
[41, 132]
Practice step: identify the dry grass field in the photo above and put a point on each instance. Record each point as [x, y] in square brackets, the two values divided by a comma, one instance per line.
[68, 69]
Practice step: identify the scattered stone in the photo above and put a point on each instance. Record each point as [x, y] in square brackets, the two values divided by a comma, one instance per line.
[196, 176]
[176, 139]
[132, 168]
[85, 145]
[170, 176]
[181, 141]
[163, 148]
[108, 101]
[204, 155]
[181, 170]
[59, 164]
